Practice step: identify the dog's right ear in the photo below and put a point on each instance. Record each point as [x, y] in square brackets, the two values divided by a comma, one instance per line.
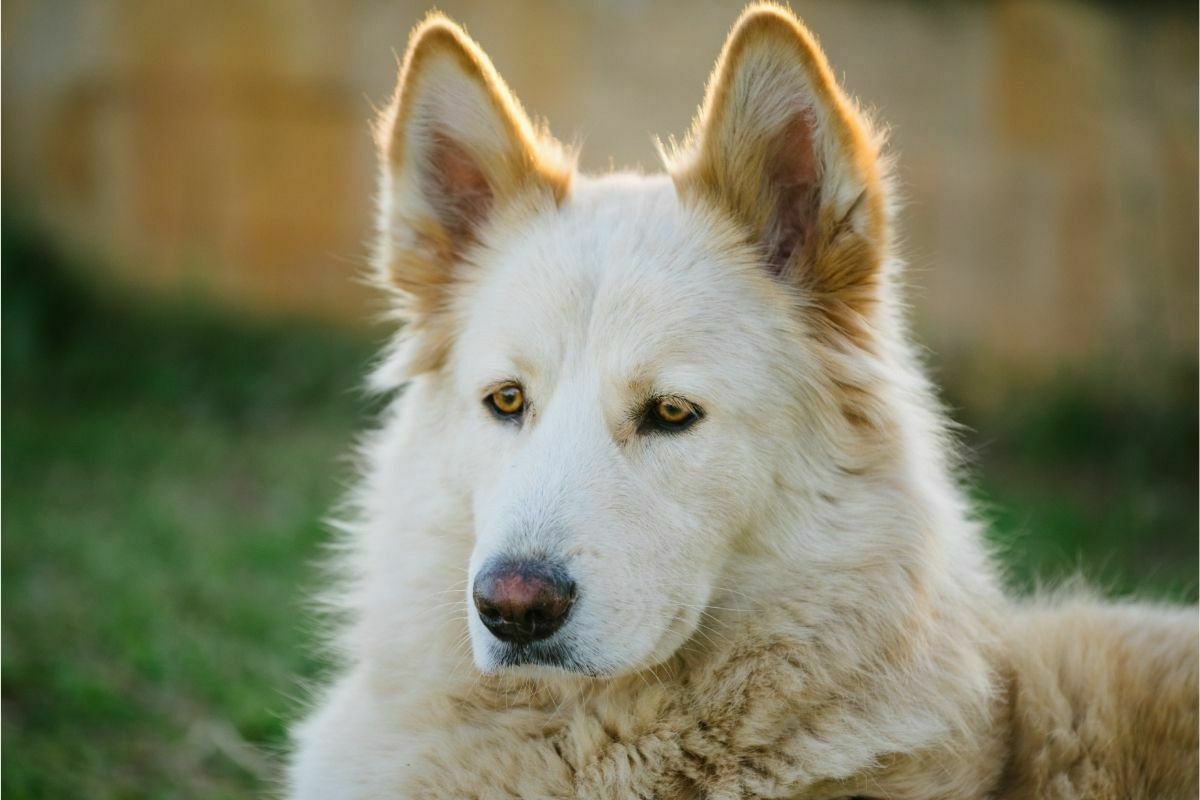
[456, 150]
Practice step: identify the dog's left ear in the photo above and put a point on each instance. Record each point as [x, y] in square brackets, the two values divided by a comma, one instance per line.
[779, 147]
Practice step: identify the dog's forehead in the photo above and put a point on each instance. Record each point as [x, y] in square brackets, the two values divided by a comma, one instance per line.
[623, 268]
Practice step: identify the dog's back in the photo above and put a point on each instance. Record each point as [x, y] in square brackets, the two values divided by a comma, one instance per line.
[1102, 702]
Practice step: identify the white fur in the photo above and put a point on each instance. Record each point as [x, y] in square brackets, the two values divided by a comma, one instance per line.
[775, 603]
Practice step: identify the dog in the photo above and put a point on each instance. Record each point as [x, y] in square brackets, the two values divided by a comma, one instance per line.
[664, 506]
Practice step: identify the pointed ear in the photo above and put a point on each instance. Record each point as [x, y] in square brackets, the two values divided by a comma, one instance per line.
[779, 147]
[456, 151]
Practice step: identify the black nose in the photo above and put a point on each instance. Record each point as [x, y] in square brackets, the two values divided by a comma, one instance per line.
[523, 601]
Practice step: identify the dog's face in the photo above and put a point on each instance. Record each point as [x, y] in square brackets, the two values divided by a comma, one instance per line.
[618, 376]
[626, 361]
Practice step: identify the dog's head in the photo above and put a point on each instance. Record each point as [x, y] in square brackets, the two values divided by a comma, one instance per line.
[638, 371]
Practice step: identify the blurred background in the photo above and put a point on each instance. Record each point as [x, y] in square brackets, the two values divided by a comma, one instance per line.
[187, 192]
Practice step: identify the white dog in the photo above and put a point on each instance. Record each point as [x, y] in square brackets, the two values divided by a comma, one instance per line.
[665, 507]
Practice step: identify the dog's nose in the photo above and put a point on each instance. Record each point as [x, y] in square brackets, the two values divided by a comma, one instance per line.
[523, 601]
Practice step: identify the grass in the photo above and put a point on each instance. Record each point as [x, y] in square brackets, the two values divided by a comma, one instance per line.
[165, 473]
[1086, 477]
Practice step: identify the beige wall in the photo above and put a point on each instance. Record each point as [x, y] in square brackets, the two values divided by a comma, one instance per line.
[1047, 149]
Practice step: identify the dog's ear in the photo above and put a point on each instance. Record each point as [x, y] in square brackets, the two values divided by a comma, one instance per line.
[779, 146]
[456, 150]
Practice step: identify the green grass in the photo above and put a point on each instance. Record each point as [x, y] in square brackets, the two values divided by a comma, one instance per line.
[165, 474]
[1087, 477]
[166, 470]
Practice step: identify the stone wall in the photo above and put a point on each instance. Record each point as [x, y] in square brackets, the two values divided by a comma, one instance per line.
[1047, 150]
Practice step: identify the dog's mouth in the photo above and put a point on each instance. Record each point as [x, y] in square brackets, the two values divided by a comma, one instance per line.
[560, 654]
[553, 654]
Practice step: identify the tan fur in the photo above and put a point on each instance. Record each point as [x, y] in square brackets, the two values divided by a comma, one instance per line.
[1101, 701]
[852, 639]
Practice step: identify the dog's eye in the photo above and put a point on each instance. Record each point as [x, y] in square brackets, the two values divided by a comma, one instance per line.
[506, 402]
[670, 414]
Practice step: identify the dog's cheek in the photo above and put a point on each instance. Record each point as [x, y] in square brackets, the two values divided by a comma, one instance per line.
[725, 490]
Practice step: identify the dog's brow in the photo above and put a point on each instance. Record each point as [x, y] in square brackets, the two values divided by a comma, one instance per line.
[525, 368]
[641, 385]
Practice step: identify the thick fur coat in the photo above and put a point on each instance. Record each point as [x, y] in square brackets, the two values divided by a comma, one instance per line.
[790, 598]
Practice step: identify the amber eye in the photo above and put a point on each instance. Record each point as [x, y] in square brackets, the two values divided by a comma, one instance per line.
[507, 402]
[670, 414]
